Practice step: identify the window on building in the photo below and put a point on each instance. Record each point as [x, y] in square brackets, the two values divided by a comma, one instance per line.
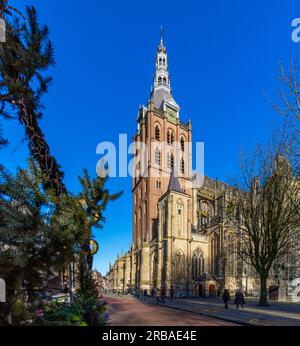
[171, 160]
[158, 184]
[170, 137]
[197, 264]
[182, 143]
[203, 220]
[159, 79]
[179, 268]
[157, 132]
[165, 80]
[157, 156]
[182, 166]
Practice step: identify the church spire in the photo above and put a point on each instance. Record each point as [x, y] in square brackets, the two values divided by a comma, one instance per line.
[161, 92]
[161, 36]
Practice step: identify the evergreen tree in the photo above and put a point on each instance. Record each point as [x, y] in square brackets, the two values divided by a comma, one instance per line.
[32, 245]
[82, 213]
[24, 57]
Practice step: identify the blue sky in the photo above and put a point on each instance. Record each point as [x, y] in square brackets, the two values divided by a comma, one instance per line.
[223, 58]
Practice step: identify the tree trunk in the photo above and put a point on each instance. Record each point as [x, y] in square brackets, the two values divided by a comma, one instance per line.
[40, 150]
[263, 300]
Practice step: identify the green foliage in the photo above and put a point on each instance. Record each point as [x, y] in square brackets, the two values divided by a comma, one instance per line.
[30, 241]
[71, 314]
[24, 57]
[85, 311]
[42, 226]
[40, 232]
[95, 197]
[19, 308]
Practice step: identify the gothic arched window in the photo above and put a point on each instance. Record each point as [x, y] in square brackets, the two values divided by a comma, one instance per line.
[171, 160]
[157, 132]
[170, 137]
[179, 271]
[182, 143]
[205, 213]
[197, 264]
[165, 80]
[159, 79]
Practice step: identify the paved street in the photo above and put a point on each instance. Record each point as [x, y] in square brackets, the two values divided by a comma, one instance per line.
[277, 314]
[128, 311]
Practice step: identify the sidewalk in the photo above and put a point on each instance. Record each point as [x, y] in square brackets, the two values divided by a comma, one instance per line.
[277, 314]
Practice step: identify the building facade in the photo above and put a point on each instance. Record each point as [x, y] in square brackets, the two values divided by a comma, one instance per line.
[182, 234]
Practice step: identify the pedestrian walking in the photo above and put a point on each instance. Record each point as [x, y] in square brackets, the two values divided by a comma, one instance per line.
[172, 292]
[156, 294]
[226, 298]
[162, 295]
[239, 299]
[152, 292]
[145, 294]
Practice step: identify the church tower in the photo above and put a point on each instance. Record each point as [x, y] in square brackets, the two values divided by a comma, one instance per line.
[165, 135]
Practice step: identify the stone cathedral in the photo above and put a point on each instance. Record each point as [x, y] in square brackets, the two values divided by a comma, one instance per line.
[182, 236]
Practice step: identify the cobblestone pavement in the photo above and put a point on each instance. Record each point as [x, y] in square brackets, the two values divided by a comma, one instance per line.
[276, 314]
[128, 311]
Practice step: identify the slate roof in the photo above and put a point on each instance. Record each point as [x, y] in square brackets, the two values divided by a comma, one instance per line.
[174, 184]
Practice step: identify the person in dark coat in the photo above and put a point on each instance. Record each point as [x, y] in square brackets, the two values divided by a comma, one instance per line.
[156, 294]
[172, 292]
[152, 292]
[239, 299]
[226, 298]
[145, 294]
[162, 295]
